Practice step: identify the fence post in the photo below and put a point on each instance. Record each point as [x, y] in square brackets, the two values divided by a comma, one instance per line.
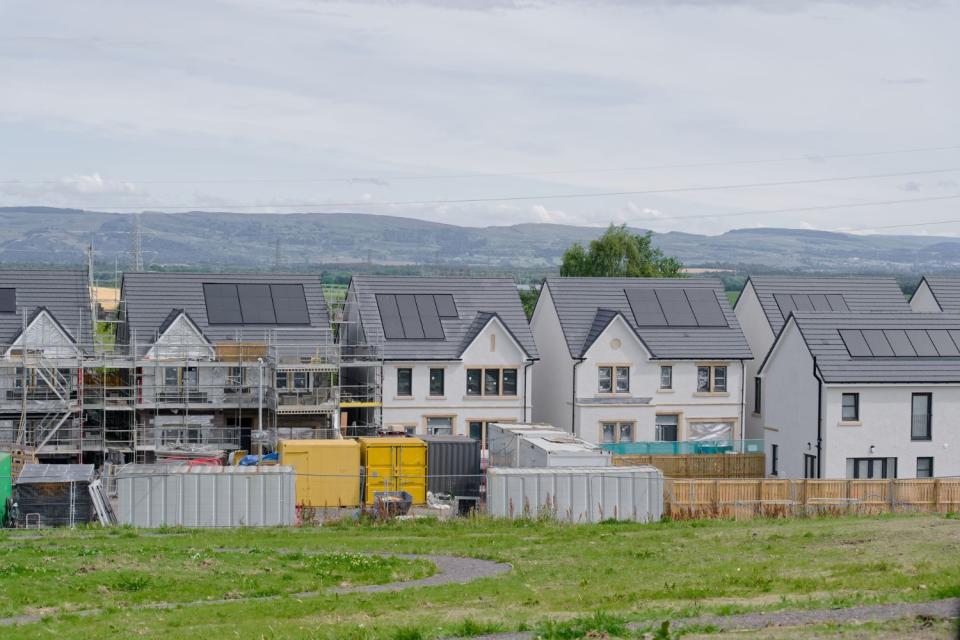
[936, 496]
[890, 499]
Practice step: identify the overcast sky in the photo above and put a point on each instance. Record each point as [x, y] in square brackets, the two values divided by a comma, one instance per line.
[295, 105]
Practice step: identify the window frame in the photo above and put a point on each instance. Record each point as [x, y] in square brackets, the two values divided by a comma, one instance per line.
[657, 428]
[615, 371]
[618, 429]
[774, 459]
[484, 372]
[712, 379]
[443, 382]
[809, 466]
[286, 380]
[757, 395]
[884, 465]
[668, 369]
[856, 406]
[929, 417]
[405, 371]
[451, 418]
[929, 469]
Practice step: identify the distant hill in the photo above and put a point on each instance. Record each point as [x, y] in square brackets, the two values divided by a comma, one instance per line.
[41, 235]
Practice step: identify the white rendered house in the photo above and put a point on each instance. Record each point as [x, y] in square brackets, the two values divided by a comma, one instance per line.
[864, 396]
[457, 352]
[639, 360]
[766, 302]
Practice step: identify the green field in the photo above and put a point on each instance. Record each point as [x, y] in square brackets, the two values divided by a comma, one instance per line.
[562, 576]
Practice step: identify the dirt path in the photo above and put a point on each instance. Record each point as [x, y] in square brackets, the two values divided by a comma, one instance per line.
[450, 570]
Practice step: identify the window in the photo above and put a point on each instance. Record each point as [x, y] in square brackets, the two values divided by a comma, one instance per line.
[871, 468]
[851, 407]
[299, 379]
[924, 467]
[921, 416]
[234, 376]
[711, 379]
[473, 382]
[436, 382]
[610, 378]
[774, 459]
[757, 394]
[477, 429]
[282, 379]
[613, 432]
[666, 377]
[666, 428]
[191, 378]
[171, 377]
[492, 382]
[809, 465]
[405, 382]
[440, 426]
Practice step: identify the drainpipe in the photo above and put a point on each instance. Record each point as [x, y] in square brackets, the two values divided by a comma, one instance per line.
[743, 406]
[525, 389]
[573, 400]
[260, 411]
[819, 419]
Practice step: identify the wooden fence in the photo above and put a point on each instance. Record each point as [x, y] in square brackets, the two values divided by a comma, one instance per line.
[723, 465]
[688, 498]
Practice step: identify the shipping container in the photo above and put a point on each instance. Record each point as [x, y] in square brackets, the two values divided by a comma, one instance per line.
[394, 464]
[576, 495]
[54, 495]
[207, 496]
[453, 465]
[6, 485]
[328, 471]
[538, 445]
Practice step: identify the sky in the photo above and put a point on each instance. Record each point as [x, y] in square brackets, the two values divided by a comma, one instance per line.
[685, 115]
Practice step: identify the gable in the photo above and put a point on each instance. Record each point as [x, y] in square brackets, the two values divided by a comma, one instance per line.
[181, 339]
[493, 344]
[617, 342]
[44, 335]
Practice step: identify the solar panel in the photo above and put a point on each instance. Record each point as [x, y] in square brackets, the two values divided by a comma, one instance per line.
[429, 318]
[921, 342]
[409, 316]
[256, 304]
[785, 303]
[820, 302]
[676, 308]
[390, 316]
[856, 345]
[802, 302]
[837, 303]
[223, 303]
[706, 307]
[8, 300]
[877, 342]
[943, 343]
[446, 307]
[899, 342]
[646, 308]
[289, 304]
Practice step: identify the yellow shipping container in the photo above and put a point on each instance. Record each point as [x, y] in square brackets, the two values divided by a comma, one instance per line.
[328, 471]
[395, 464]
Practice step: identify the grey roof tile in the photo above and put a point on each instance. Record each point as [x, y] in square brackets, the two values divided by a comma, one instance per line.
[821, 333]
[150, 298]
[65, 294]
[578, 301]
[946, 290]
[477, 300]
[859, 294]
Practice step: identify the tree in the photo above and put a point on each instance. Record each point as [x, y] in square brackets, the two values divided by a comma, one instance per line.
[529, 299]
[619, 253]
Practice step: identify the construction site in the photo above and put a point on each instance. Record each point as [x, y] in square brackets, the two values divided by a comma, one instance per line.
[86, 379]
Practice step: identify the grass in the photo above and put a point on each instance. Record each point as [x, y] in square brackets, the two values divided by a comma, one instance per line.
[563, 575]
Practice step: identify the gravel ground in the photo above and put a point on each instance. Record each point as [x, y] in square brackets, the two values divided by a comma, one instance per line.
[450, 570]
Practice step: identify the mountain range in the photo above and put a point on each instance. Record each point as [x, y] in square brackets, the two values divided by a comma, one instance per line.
[48, 236]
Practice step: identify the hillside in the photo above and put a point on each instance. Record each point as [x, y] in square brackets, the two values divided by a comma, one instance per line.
[41, 235]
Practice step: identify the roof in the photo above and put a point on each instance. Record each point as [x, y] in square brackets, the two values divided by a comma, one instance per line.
[946, 291]
[152, 300]
[824, 335]
[586, 306]
[42, 473]
[859, 294]
[477, 300]
[64, 294]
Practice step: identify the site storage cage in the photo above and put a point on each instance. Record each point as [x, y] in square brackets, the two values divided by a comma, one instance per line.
[54, 495]
[6, 484]
[207, 496]
[453, 465]
[578, 495]
[540, 445]
[328, 471]
[394, 464]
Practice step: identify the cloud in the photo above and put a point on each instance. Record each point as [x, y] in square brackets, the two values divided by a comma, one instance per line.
[912, 185]
[84, 186]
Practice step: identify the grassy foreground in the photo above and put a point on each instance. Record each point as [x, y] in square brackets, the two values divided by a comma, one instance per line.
[635, 572]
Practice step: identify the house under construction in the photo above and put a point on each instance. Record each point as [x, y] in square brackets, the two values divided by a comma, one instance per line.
[194, 365]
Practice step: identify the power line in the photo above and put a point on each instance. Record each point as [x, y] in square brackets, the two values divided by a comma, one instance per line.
[559, 196]
[509, 174]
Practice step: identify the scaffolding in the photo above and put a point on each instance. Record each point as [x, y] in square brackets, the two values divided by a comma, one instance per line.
[172, 396]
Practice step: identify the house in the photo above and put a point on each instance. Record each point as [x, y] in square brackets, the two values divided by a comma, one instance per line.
[214, 354]
[639, 360]
[863, 395]
[937, 293]
[45, 333]
[766, 301]
[457, 352]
